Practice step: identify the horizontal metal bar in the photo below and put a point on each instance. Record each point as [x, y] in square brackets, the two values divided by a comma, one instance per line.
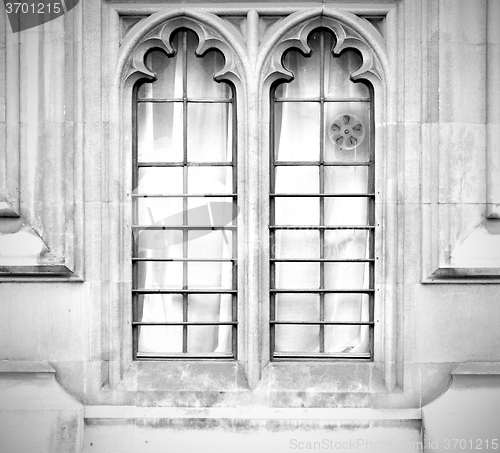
[189, 100]
[316, 163]
[206, 195]
[323, 291]
[183, 356]
[184, 291]
[321, 227]
[323, 323]
[187, 164]
[319, 99]
[185, 323]
[194, 260]
[321, 260]
[339, 195]
[183, 227]
[325, 355]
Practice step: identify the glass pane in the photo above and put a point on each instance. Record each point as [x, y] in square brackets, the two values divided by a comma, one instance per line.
[210, 307]
[160, 308]
[210, 275]
[201, 70]
[296, 211]
[297, 275]
[209, 244]
[346, 244]
[347, 307]
[159, 132]
[209, 132]
[297, 131]
[206, 339]
[158, 243]
[296, 244]
[210, 180]
[211, 211]
[160, 211]
[297, 307]
[346, 275]
[296, 338]
[158, 275]
[160, 180]
[169, 76]
[296, 179]
[160, 339]
[347, 131]
[346, 179]
[346, 211]
[305, 70]
[338, 70]
[347, 339]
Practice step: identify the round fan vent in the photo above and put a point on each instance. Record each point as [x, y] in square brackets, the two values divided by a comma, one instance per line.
[347, 131]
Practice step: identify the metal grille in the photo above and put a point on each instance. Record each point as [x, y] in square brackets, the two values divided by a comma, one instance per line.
[323, 261]
[179, 222]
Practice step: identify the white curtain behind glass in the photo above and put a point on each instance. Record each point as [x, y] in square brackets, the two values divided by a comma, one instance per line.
[160, 139]
[297, 127]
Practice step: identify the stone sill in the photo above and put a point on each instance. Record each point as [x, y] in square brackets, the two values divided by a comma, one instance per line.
[482, 368]
[20, 366]
[249, 413]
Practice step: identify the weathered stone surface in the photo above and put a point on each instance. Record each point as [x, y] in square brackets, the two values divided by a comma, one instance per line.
[36, 414]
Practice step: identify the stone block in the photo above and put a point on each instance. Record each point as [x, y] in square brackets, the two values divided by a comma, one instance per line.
[466, 417]
[36, 414]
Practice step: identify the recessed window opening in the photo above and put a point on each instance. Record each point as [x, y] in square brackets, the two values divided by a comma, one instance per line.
[184, 208]
[322, 199]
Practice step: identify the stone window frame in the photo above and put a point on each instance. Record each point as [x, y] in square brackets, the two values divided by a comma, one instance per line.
[244, 53]
[41, 155]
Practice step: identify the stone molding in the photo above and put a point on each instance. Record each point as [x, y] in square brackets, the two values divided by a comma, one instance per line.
[41, 178]
[249, 44]
[460, 139]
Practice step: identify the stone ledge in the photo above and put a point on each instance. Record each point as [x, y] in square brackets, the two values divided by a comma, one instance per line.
[24, 366]
[477, 368]
[259, 413]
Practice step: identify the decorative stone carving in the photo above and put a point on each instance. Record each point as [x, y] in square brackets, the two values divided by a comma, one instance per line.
[160, 37]
[345, 36]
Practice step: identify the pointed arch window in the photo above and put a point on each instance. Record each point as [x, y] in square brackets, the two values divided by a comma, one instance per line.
[184, 207]
[322, 212]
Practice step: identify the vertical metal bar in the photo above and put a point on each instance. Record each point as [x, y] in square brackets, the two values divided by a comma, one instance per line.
[272, 221]
[322, 190]
[371, 221]
[135, 178]
[185, 191]
[234, 234]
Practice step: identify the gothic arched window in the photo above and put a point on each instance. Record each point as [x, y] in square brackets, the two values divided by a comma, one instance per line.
[322, 207]
[184, 202]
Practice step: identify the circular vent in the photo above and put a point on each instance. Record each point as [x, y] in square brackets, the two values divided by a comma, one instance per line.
[347, 131]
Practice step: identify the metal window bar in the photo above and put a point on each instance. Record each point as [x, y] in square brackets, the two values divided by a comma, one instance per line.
[187, 164]
[321, 228]
[139, 292]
